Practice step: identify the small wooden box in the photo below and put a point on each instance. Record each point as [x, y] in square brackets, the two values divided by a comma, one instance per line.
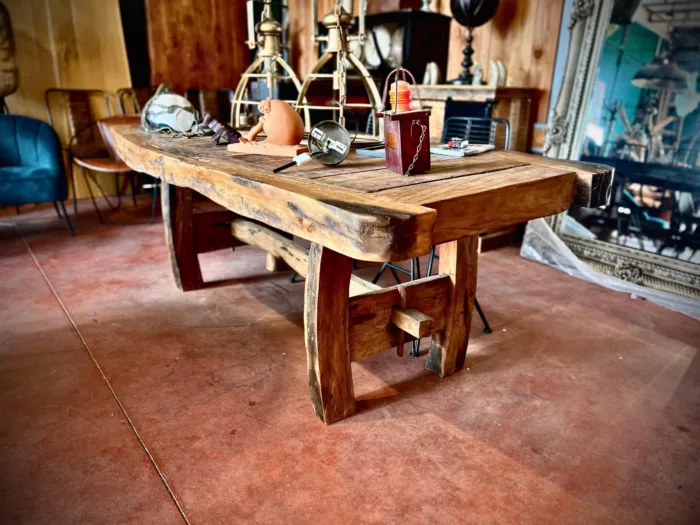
[402, 136]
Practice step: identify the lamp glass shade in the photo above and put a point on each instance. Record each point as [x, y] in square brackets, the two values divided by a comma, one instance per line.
[661, 73]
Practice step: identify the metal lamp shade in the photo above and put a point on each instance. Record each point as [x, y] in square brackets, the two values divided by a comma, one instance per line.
[661, 73]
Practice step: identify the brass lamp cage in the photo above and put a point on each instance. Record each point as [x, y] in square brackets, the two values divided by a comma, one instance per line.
[337, 22]
[269, 64]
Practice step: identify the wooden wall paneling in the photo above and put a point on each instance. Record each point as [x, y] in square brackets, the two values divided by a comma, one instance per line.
[197, 43]
[522, 34]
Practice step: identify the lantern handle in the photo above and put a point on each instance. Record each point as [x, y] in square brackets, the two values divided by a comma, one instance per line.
[386, 85]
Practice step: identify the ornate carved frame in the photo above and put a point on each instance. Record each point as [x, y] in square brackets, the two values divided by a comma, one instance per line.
[565, 134]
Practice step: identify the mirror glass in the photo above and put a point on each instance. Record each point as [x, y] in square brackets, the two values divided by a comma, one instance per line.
[644, 119]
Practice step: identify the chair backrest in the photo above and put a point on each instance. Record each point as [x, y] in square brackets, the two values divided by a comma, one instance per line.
[72, 113]
[216, 102]
[105, 127]
[495, 131]
[26, 141]
[131, 101]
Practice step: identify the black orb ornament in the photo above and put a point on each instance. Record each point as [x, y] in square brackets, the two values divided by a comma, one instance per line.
[471, 14]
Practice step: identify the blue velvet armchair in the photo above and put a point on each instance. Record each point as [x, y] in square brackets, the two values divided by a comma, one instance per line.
[31, 164]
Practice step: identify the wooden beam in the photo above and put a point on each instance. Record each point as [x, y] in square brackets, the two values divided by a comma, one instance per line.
[177, 209]
[326, 324]
[412, 321]
[448, 349]
[285, 249]
[371, 326]
[274, 243]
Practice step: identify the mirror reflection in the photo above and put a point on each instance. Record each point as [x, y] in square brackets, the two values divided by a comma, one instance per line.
[643, 119]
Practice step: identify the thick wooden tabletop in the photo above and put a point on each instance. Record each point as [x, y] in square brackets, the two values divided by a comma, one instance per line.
[360, 208]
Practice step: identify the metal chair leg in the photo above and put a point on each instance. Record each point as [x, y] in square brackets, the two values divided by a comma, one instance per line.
[75, 193]
[132, 181]
[487, 328]
[92, 196]
[119, 191]
[55, 207]
[154, 200]
[65, 217]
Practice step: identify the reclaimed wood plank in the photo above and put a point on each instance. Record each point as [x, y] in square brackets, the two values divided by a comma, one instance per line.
[593, 187]
[360, 226]
[371, 327]
[454, 167]
[326, 322]
[487, 202]
[448, 348]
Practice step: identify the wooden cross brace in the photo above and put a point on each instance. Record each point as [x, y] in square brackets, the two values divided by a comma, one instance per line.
[379, 318]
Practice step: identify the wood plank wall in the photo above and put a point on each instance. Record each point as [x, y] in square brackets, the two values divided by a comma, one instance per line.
[197, 43]
[71, 44]
[523, 35]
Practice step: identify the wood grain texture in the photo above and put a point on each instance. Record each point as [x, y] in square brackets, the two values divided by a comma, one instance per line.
[593, 185]
[448, 348]
[515, 104]
[178, 221]
[197, 43]
[399, 217]
[326, 322]
[524, 35]
[491, 201]
[371, 327]
[412, 321]
[360, 226]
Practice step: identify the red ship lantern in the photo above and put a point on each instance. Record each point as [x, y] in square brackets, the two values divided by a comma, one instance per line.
[406, 130]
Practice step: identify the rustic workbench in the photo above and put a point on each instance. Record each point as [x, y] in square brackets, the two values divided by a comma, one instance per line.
[357, 210]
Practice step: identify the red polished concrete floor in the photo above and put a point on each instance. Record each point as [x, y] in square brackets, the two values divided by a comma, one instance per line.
[162, 407]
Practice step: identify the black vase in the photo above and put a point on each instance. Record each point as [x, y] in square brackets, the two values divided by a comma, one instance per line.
[470, 14]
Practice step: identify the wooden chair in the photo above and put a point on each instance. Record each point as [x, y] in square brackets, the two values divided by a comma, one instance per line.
[131, 101]
[72, 113]
[216, 102]
[113, 163]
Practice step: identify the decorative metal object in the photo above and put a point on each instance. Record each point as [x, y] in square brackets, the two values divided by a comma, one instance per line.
[338, 22]
[471, 14]
[406, 131]
[9, 75]
[269, 65]
[661, 73]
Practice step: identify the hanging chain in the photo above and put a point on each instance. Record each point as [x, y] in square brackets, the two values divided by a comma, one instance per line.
[420, 145]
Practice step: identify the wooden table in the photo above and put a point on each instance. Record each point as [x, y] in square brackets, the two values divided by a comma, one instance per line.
[357, 210]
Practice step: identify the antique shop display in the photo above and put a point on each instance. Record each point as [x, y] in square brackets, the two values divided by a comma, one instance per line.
[408, 38]
[349, 214]
[269, 65]
[283, 127]
[9, 75]
[628, 100]
[406, 130]
[338, 22]
[471, 14]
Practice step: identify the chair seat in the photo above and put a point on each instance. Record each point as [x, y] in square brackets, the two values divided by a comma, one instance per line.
[28, 173]
[104, 164]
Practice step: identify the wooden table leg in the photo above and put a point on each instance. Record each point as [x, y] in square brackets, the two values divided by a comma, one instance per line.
[326, 322]
[448, 348]
[178, 218]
